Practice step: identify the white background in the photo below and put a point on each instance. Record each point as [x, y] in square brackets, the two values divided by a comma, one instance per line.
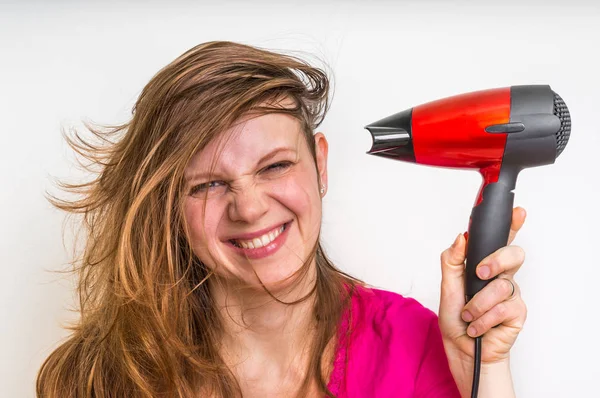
[385, 222]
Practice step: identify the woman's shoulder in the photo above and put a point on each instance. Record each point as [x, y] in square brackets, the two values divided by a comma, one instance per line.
[385, 308]
[392, 340]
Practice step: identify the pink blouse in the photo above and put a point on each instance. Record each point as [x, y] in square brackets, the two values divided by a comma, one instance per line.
[394, 349]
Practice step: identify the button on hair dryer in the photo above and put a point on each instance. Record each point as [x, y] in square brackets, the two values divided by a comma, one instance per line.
[498, 132]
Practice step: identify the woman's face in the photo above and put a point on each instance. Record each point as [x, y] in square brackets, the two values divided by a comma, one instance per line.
[253, 199]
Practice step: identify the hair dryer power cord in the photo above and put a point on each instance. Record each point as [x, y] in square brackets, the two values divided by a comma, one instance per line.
[476, 367]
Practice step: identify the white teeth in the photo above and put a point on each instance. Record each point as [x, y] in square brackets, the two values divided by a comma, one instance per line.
[260, 241]
[266, 239]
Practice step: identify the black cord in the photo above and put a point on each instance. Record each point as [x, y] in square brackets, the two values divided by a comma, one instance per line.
[476, 367]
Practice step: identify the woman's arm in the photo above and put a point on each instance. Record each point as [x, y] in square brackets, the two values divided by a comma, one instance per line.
[497, 313]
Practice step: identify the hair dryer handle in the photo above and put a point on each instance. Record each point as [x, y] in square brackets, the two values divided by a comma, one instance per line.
[489, 229]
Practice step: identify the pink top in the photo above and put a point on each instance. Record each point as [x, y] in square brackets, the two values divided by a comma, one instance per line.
[395, 350]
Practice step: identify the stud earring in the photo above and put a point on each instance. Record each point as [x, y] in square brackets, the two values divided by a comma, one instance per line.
[322, 189]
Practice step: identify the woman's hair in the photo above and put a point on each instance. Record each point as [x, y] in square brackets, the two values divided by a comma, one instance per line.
[148, 326]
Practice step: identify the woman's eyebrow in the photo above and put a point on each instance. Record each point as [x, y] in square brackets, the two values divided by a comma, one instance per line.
[204, 175]
[201, 175]
[274, 153]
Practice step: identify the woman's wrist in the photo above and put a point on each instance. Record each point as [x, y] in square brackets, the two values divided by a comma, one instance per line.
[495, 379]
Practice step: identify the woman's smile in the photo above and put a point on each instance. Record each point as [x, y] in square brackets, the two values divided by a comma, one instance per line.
[260, 244]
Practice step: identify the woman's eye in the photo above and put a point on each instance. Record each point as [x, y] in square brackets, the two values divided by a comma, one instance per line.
[279, 166]
[208, 188]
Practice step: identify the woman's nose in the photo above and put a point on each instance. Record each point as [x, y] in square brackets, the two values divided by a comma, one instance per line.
[249, 204]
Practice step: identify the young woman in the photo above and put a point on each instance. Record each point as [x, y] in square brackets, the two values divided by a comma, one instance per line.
[203, 276]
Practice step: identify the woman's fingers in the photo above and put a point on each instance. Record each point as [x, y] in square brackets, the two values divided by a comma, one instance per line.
[508, 313]
[506, 260]
[518, 219]
[494, 293]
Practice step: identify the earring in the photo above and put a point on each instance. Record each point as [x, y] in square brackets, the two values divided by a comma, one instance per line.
[322, 189]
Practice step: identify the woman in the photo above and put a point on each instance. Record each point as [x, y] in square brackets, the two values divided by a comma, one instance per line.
[203, 275]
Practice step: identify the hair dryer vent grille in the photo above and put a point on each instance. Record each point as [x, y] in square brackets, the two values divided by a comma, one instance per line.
[562, 112]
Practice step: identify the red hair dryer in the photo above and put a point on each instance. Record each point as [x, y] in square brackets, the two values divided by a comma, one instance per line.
[498, 132]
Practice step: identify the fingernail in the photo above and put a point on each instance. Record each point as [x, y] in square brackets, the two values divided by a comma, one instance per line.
[466, 316]
[484, 272]
[471, 331]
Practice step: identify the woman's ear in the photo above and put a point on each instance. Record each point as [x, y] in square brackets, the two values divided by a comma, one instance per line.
[321, 149]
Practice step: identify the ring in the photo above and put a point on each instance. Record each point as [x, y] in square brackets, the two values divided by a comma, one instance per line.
[511, 285]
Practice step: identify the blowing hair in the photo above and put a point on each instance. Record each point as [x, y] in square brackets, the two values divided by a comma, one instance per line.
[148, 326]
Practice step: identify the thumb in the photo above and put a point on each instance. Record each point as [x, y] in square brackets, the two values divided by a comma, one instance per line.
[453, 268]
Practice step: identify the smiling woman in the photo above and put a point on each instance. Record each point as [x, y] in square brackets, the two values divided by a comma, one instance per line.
[203, 273]
[205, 216]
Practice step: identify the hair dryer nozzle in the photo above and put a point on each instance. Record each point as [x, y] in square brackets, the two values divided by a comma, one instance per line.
[392, 137]
[385, 138]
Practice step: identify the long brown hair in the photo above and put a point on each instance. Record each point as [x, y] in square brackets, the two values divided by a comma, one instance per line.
[148, 327]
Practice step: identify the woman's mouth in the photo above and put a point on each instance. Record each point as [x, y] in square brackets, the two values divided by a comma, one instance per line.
[263, 245]
[261, 241]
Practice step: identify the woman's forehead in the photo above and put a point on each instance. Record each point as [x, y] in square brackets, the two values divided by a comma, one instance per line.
[243, 145]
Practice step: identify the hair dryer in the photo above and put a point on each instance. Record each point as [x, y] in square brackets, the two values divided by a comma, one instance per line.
[498, 132]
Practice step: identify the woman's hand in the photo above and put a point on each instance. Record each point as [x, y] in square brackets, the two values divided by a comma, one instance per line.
[497, 311]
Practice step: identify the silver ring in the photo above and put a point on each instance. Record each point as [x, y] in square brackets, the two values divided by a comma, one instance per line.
[511, 285]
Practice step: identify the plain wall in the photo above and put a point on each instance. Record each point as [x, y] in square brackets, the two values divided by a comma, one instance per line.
[386, 222]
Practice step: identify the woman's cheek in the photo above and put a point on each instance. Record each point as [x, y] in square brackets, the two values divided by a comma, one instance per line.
[292, 190]
[201, 226]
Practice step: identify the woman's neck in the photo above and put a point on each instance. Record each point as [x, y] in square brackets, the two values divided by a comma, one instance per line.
[266, 339]
[257, 317]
